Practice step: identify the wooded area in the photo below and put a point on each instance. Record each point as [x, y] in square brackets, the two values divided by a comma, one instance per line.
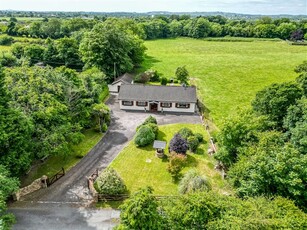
[56, 69]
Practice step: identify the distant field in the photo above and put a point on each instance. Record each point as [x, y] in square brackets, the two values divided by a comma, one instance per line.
[227, 74]
[21, 18]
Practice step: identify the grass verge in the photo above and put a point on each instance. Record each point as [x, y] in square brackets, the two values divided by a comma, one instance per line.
[54, 163]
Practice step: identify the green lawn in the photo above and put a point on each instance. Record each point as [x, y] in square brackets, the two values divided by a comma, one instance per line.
[55, 163]
[227, 74]
[139, 167]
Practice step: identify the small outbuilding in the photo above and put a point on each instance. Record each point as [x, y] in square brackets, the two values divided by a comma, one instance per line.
[156, 98]
[122, 80]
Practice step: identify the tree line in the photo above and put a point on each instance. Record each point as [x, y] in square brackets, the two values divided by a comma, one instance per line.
[45, 108]
[166, 27]
[265, 149]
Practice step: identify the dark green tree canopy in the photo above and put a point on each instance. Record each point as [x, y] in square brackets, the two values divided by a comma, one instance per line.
[111, 49]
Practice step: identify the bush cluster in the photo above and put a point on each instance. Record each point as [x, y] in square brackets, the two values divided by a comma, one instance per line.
[146, 132]
[192, 141]
[110, 183]
[193, 182]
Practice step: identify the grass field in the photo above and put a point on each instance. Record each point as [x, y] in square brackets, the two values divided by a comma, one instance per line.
[139, 167]
[55, 163]
[227, 74]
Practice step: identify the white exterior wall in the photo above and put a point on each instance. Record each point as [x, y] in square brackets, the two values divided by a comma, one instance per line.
[114, 88]
[178, 110]
[133, 107]
[192, 108]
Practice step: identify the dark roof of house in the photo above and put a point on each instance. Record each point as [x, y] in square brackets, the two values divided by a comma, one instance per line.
[157, 93]
[159, 144]
[125, 78]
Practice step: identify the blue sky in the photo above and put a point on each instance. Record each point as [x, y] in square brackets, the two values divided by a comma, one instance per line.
[236, 6]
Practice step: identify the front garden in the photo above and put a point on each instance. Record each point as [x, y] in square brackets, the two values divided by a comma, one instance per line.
[140, 167]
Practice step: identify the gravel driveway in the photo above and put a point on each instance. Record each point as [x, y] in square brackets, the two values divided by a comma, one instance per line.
[58, 205]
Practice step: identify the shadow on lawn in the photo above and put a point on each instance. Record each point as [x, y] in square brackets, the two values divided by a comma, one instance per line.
[147, 63]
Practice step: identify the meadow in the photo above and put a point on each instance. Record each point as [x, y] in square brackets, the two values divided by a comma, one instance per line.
[227, 73]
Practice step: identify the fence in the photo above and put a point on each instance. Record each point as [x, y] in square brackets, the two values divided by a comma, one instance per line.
[55, 177]
[122, 197]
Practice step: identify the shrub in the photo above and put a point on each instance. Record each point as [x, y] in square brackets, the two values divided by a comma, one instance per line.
[8, 60]
[150, 119]
[163, 81]
[193, 143]
[178, 144]
[142, 78]
[154, 128]
[175, 164]
[193, 182]
[154, 75]
[199, 137]
[144, 136]
[110, 183]
[6, 40]
[185, 133]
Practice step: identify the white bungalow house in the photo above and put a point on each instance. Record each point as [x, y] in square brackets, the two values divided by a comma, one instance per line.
[122, 80]
[158, 98]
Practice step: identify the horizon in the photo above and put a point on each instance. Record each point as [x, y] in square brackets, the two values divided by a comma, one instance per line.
[249, 7]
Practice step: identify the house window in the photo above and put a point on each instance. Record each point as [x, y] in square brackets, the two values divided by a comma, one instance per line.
[183, 105]
[141, 103]
[166, 104]
[127, 103]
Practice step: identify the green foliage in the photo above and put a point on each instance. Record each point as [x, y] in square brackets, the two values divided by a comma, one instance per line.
[141, 211]
[18, 49]
[163, 81]
[209, 210]
[34, 53]
[8, 185]
[154, 127]
[6, 40]
[144, 136]
[295, 122]
[193, 211]
[185, 133]
[274, 100]
[193, 143]
[182, 75]
[193, 182]
[102, 116]
[258, 213]
[110, 183]
[269, 168]
[149, 120]
[175, 164]
[106, 45]
[199, 137]
[237, 131]
[8, 60]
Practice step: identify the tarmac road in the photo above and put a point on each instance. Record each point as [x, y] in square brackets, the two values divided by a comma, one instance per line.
[64, 205]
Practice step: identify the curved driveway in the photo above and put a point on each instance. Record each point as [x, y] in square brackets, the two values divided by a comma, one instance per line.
[63, 205]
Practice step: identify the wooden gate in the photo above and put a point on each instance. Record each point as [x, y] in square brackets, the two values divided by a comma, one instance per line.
[55, 177]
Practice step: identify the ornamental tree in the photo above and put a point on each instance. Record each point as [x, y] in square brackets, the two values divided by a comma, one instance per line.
[178, 144]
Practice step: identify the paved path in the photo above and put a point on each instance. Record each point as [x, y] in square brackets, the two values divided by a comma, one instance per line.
[70, 193]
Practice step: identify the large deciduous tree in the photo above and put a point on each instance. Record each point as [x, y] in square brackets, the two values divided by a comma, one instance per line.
[111, 50]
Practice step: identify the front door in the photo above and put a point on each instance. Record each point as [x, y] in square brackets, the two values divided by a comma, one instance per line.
[153, 107]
